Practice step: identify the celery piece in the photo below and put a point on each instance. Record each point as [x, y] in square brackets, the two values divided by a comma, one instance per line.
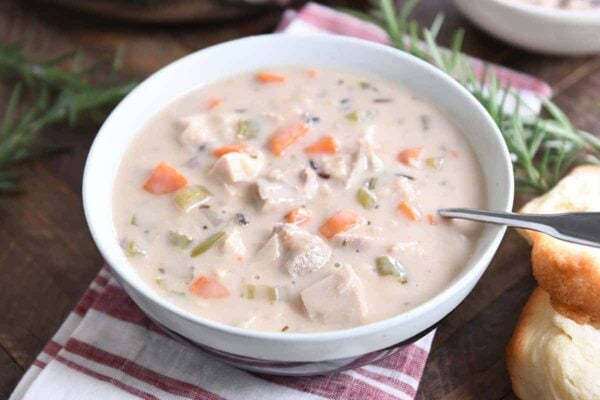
[133, 249]
[207, 244]
[387, 265]
[180, 240]
[434, 162]
[366, 198]
[189, 197]
[249, 291]
[246, 129]
[359, 116]
[261, 292]
[161, 281]
[353, 116]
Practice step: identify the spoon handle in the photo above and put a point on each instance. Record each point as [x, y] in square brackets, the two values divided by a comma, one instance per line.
[581, 227]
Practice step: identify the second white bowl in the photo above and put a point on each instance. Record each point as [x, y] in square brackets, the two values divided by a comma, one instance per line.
[541, 29]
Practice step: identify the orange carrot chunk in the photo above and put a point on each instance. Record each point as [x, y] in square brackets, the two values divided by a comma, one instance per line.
[327, 144]
[213, 103]
[411, 156]
[410, 211]
[270, 77]
[231, 148]
[298, 216]
[282, 139]
[312, 73]
[164, 179]
[208, 287]
[339, 222]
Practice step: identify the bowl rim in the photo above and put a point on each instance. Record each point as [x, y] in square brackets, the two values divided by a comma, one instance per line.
[555, 14]
[473, 269]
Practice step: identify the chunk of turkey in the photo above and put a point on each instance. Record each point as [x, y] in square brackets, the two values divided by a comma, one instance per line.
[365, 158]
[354, 240]
[274, 192]
[338, 298]
[310, 183]
[303, 252]
[196, 131]
[238, 167]
[234, 244]
[205, 128]
[336, 166]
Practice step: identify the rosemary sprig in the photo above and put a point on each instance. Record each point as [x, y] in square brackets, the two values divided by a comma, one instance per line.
[542, 147]
[48, 93]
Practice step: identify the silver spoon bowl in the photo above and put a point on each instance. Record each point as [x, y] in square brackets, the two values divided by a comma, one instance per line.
[576, 227]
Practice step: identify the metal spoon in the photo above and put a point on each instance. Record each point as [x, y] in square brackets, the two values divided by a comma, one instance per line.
[577, 227]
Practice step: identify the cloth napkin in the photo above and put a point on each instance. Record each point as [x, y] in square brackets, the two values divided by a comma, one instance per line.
[108, 349]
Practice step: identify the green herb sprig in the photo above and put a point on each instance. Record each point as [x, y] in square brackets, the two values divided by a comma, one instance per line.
[45, 94]
[543, 147]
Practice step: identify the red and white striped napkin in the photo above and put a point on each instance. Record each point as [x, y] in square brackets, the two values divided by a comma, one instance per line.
[107, 348]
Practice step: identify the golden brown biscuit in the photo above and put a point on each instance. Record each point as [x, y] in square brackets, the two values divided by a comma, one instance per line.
[569, 273]
[551, 357]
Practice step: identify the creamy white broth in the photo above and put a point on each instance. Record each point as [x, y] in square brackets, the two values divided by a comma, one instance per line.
[373, 121]
[564, 4]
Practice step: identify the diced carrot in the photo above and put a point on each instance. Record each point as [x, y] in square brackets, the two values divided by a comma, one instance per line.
[432, 219]
[208, 288]
[299, 215]
[410, 211]
[339, 222]
[327, 144]
[164, 179]
[282, 139]
[411, 156]
[312, 73]
[270, 77]
[213, 103]
[231, 148]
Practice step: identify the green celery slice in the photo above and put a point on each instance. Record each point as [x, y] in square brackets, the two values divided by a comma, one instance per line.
[261, 292]
[207, 244]
[190, 197]
[133, 249]
[434, 162]
[366, 198]
[180, 240]
[247, 129]
[388, 265]
[353, 116]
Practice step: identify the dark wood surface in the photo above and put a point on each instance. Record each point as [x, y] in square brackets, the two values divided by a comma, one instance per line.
[47, 258]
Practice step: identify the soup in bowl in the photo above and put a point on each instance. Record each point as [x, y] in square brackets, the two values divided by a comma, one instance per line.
[282, 208]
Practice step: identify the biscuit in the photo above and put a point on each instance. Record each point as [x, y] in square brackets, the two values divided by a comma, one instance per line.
[551, 357]
[570, 273]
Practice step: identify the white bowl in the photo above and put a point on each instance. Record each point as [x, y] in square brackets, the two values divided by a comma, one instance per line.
[537, 28]
[253, 53]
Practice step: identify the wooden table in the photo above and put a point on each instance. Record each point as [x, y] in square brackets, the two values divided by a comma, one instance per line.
[47, 257]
